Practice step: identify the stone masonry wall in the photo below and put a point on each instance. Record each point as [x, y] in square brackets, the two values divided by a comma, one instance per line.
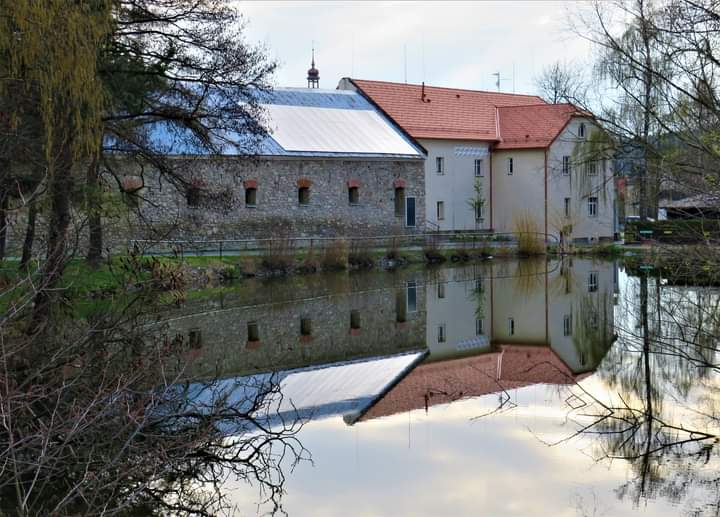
[222, 211]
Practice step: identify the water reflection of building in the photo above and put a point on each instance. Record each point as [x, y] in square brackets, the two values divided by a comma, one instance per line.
[487, 327]
[505, 326]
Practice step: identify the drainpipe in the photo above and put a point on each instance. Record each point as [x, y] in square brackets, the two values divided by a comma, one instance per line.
[492, 207]
[546, 196]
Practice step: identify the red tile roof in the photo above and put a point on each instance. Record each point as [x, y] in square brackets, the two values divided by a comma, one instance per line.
[514, 366]
[445, 113]
[533, 126]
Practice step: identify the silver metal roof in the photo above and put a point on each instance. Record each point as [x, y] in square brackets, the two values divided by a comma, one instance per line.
[335, 130]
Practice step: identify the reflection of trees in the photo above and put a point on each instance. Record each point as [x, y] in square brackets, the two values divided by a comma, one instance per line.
[96, 419]
[665, 355]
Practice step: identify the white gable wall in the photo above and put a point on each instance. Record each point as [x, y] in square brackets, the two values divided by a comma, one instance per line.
[455, 187]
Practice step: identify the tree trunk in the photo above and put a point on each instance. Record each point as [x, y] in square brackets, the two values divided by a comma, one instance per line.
[94, 254]
[3, 224]
[29, 235]
[60, 190]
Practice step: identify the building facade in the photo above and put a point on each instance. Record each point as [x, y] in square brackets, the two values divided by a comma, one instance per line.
[331, 165]
[502, 162]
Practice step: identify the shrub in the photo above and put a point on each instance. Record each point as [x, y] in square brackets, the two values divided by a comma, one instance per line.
[277, 255]
[335, 255]
[530, 241]
[431, 250]
[361, 255]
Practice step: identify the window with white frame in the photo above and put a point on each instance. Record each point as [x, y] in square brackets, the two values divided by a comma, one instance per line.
[510, 166]
[566, 165]
[441, 290]
[592, 206]
[440, 211]
[592, 281]
[591, 168]
[479, 327]
[479, 168]
[567, 207]
[439, 165]
[567, 325]
[581, 130]
[442, 335]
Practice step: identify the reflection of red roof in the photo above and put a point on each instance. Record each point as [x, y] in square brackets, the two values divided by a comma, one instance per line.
[513, 366]
[531, 127]
[444, 112]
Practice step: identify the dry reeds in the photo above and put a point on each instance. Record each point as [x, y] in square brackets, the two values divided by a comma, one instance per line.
[530, 239]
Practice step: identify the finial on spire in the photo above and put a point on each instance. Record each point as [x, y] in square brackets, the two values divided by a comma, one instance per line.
[313, 77]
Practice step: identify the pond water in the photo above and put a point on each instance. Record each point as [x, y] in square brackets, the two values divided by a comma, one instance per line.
[505, 388]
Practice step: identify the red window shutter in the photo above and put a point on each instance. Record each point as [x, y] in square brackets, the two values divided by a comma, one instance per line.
[304, 182]
[250, 183]
[353, 183]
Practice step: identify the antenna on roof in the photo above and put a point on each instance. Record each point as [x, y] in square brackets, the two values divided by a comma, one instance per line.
[405, 61]
[497, 81]
[513, 76]
[422, 92]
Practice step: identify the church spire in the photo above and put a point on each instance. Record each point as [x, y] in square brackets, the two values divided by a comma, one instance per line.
[313, 77]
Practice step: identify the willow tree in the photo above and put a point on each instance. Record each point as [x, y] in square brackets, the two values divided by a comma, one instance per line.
[52, 46]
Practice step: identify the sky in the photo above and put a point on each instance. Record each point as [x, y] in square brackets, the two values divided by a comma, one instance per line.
[453, 44]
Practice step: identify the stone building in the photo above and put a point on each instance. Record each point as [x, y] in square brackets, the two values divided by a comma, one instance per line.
[332, 165]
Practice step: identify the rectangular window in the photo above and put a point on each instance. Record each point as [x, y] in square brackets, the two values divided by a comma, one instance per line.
[592, 281]
[592, 206]
[567, 325]
[250, 197]
[510, 166]
[353, 195]
[511, 326]
[411, 297]
[567, 207]
[591, 168]
[400, 306]
[441, 334]
[441, 290]
[440, 165]
[565, 165]
[305, 327]
[399, 202]
[253, 331]
[479, 168]
[479, 286]
[479, 327]
[440, 210]
[304, 195]
[581, 130]
[195, 338]
[354, 320]
[192, 196]
[594, 320]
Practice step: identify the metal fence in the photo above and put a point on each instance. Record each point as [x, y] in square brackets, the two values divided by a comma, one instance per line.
[231, 247]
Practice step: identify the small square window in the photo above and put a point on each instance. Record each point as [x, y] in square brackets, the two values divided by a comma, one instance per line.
[510, 166]
[440, 165]
[479, 169]
[304, 195]
[250, 197]
[353, 195]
